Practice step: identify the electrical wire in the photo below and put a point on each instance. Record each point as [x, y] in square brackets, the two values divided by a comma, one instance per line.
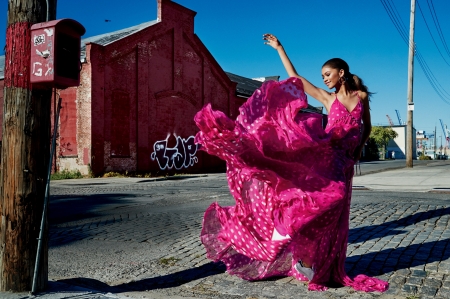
[401, 28]
[395, 21]
[429, 31]
[438, 26]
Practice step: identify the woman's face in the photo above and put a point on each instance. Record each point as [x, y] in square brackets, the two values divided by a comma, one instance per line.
[331, 76]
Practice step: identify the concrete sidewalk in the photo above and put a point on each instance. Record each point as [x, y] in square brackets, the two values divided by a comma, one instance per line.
[425, 177]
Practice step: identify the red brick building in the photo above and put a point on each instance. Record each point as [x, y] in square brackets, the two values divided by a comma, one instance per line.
[140, 89]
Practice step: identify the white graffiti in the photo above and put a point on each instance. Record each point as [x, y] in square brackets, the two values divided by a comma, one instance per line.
[49, 31]
[43, 69]
[37, 71]
[49, 71]
[182, 155]
[49, 63]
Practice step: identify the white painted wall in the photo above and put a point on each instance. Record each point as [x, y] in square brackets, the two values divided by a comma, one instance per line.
[398, 145]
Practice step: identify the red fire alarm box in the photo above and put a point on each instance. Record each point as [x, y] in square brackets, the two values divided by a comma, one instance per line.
[55, 53]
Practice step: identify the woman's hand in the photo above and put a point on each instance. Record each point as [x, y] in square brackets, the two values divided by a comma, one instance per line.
[271, 40]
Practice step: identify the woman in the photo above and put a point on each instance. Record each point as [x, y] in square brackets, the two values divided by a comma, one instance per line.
[291, 179]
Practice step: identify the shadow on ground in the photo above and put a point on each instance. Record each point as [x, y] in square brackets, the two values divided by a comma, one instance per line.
[160, 282]
[67, 208]
[388, 260]
[366, 233]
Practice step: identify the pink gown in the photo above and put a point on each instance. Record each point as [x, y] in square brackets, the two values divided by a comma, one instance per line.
[292, 182]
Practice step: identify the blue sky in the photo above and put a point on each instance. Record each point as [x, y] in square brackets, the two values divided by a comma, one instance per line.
[360, 32]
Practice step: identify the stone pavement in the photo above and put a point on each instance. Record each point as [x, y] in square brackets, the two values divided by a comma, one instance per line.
[138, 238]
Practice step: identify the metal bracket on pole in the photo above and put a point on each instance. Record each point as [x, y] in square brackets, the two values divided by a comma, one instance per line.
[47, 192]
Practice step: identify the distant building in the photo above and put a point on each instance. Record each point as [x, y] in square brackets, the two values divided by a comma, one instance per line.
[434, 146]
[422, 141]
[398, 145]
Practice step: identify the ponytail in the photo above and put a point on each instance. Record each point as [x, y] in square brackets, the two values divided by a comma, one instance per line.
[356, 83]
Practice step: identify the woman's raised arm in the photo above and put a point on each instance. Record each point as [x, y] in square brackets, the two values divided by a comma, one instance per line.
[318, 93]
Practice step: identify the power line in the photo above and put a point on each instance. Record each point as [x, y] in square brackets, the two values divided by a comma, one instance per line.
[429, 31]
[431, 78]
[438, 26]
[399, 25]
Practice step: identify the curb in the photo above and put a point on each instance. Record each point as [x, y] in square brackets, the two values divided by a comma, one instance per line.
[172, 178]
[395, 168]
[440, 190]
[360, 188]
[378, 171]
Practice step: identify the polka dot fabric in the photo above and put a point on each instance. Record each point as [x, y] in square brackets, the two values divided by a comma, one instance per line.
[292, 183]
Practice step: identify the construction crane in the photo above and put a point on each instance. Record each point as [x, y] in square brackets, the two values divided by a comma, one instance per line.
[447, 139]
[400, 122]
[390, 120]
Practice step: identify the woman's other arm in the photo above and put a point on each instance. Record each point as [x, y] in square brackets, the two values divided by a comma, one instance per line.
[367, 124]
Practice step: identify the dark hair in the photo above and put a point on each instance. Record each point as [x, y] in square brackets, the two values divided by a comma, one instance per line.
[354, 82]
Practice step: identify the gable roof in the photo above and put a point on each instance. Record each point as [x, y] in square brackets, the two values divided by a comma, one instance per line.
[245, 86]
[110, 37]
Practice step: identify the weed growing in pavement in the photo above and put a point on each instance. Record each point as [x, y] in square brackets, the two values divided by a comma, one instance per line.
[113, 174]
[126, 174]
[135, 174]
[66, 174]
[170, 261]
[90, 172]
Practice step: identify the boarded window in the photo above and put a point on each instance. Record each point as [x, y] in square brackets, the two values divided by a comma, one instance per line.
[68, 124]
[120, 124]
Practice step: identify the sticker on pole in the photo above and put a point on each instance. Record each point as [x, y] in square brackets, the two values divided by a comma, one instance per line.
[39, 39]
[410, 106]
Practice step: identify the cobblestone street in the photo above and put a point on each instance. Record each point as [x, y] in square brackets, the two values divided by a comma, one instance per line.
[140, 239]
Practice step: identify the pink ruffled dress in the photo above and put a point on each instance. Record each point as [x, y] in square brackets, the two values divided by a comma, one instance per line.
[292, 182]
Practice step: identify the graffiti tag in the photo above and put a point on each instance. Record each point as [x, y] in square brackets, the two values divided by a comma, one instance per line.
[39, 39]
[43, 69]
[182, 155]
[37, 70]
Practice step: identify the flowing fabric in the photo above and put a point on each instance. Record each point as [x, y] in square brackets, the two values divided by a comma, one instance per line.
[292, 182]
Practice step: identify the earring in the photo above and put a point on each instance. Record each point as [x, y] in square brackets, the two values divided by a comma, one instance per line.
[342, 80]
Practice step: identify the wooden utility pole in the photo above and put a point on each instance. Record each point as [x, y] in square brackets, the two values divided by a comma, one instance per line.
[435, 144]
[410, 104]
[24, 153]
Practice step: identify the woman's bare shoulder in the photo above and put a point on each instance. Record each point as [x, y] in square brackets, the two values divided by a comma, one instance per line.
[364, 96]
